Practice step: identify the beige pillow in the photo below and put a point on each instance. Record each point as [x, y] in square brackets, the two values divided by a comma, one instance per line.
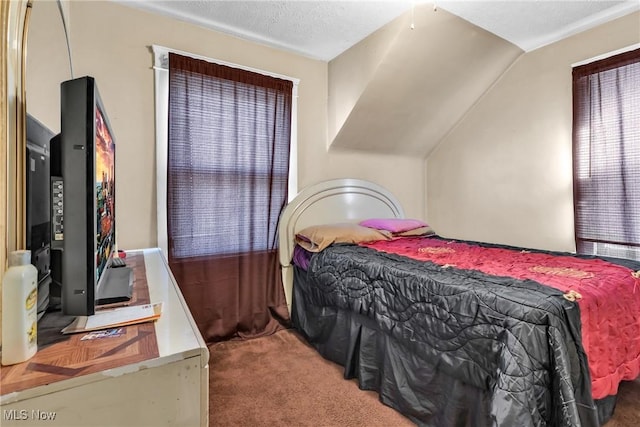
[420, 231]
[318, 237]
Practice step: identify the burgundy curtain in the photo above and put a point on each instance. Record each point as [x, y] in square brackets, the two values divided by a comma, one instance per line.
[228, 166]
[606, 155]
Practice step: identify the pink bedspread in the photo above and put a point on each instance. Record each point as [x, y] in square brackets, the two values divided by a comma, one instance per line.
[609, 303]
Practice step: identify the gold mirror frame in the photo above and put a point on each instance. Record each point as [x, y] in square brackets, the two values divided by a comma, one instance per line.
[14, 16]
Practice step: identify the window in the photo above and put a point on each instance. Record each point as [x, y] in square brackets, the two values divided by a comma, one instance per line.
[161, 67]
[229, 138]
[606, 138]
[225, 146]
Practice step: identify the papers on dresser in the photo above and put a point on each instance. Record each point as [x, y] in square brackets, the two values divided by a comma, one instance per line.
[111, 318]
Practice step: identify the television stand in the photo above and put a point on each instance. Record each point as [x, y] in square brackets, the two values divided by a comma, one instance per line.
[152, 374]
[117, 286]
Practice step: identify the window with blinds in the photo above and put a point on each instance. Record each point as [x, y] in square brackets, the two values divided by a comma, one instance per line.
[606, 156]
[228, 159]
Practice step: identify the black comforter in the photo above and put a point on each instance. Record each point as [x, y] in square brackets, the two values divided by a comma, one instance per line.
[447, 346]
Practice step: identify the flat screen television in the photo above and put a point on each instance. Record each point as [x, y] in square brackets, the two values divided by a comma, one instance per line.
[83, 197]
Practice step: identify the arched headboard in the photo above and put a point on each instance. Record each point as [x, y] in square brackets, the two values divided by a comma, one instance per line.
[333, 201]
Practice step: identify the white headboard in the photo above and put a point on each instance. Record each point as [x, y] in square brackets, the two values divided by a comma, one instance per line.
[337, 200]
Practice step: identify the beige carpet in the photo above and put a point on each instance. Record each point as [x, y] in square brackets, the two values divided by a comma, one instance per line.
[280, 380]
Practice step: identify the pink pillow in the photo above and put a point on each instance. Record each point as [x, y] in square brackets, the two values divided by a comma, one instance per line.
[394, 225]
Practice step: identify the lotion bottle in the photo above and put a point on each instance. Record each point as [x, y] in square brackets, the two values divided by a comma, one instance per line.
[19, 309]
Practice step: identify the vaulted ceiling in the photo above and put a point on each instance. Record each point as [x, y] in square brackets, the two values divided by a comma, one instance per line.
[323, 29]
[434, 67]
[402, 73]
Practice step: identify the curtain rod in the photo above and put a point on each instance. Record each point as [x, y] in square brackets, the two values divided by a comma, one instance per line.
[161, 62]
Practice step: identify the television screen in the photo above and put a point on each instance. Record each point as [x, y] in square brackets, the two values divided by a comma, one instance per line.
[105, 194]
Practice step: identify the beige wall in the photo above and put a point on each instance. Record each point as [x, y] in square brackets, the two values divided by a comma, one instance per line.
[401, 90]
[47, 63]
[111, 42]
[504, 174]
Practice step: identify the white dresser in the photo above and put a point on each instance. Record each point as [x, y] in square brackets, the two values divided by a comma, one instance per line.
[155, 374]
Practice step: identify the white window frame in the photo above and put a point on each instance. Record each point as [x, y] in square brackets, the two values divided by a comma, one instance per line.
[161, 77]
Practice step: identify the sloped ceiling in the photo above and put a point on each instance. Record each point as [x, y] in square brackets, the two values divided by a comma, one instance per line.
[323, 29]
[402, 73]
[432, 66]
[530, 24]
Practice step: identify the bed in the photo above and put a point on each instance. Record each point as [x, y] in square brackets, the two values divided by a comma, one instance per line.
[447, 343]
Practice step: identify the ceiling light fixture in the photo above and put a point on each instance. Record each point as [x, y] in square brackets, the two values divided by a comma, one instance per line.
[413, 7]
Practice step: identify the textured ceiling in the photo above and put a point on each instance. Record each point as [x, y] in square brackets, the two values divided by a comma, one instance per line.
[324, 29]
[532, 24]
[316, 29]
